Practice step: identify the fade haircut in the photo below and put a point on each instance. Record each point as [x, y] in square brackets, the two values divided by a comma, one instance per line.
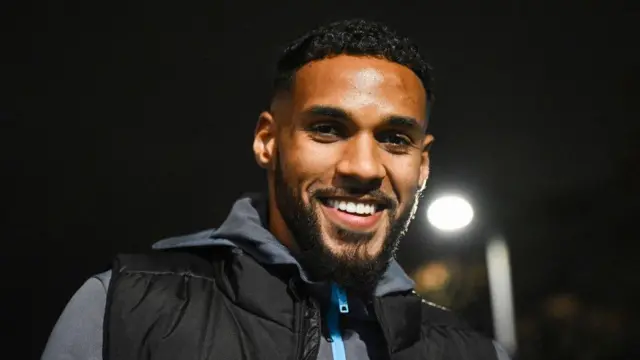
[355, 37]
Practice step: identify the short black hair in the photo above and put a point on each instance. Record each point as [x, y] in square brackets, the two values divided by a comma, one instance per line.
[355, 37]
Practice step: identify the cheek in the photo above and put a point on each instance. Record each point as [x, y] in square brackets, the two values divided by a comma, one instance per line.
[404, 173]
[309, 161]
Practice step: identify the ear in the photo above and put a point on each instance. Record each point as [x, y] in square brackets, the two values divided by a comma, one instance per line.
[424, 161]
[264, 140]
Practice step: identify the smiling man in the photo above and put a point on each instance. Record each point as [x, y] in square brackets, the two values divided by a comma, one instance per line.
[346, 151]
[307, 270]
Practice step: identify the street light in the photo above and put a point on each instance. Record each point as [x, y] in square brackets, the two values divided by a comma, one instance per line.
[450, 213]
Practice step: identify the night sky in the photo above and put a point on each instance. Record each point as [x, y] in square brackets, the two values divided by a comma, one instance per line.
[122, 124]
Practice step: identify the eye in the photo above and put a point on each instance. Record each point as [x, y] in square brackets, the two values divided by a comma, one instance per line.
[326, 132]
[325, 129]
[395, 138]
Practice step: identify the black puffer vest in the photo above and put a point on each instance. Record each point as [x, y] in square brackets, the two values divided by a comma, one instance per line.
[219, 303]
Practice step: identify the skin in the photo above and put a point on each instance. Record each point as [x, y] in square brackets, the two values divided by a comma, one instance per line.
[356, 126]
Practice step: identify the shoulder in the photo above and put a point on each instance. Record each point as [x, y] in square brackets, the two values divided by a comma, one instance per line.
[439, 316]
[92, 294]
[197, 262]
[449, 330]
[104, 279]
[78, 331]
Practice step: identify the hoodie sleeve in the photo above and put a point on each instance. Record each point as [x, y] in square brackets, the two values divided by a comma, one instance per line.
[78, 333]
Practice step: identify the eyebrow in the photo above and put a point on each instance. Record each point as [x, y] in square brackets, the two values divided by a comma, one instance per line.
[407, 122]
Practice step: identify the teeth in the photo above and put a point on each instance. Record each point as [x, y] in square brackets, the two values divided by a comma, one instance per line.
[353, 207]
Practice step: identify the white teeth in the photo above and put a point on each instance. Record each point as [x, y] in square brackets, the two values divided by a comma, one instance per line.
[353, 207]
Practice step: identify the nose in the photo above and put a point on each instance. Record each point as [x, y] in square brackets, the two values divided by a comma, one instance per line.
[360, 169]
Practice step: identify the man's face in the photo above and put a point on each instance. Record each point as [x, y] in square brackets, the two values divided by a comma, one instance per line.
[347, 159]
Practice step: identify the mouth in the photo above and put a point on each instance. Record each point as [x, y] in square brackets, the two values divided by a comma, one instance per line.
[360, 215]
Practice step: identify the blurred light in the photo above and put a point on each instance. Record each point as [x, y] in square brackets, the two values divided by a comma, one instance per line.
[432, 277]
[450, 213]
[499, 271]
[563, 306]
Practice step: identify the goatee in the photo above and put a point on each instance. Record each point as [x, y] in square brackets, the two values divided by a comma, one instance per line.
[354, 269]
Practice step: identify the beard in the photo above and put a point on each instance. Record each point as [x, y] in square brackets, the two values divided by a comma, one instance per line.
[353, 269]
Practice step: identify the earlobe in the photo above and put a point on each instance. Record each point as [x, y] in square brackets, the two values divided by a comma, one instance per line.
[264, 140]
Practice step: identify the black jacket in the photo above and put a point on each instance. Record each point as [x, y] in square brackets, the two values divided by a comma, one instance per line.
[233, 302]
[225, 305]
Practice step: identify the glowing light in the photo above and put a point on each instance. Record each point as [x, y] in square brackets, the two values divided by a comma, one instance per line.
[450, 213]
[433, 276]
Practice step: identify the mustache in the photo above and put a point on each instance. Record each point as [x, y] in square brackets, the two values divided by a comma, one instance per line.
[375, 195]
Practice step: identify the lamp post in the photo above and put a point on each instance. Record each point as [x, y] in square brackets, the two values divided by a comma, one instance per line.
[451, 213]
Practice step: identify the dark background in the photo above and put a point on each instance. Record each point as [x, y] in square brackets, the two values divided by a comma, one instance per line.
[123, 123]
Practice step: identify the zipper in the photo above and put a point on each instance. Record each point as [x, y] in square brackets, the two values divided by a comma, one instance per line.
[339, 305]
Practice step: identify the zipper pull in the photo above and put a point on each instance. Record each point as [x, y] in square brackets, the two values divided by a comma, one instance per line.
[340, 298]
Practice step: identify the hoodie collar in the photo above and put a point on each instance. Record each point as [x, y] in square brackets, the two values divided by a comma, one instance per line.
[245, 228]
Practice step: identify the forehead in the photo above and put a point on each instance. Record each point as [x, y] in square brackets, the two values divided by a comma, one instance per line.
[360, 85]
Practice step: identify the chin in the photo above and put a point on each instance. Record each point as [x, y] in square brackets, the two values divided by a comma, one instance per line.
[352, 245]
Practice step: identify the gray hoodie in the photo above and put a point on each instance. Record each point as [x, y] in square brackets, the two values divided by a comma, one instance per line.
[78, 333]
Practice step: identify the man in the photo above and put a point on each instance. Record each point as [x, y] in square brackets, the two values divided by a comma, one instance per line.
[306, 271]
